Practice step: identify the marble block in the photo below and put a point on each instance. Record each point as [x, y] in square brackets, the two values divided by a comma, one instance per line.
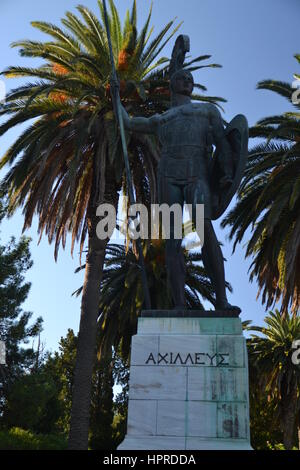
[188, 386]
[189, 326]
[202, 418]
[217, 384]
[171, 418]
[232, 420]
[142, 417]
[141, 347]
[157, 383]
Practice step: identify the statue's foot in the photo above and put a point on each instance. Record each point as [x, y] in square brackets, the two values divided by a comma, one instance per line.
[225, 305]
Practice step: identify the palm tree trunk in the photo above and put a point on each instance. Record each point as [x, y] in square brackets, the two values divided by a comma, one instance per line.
[298, 429]
[86, 349]
[289, 420]
[85, 358]
[288, 432]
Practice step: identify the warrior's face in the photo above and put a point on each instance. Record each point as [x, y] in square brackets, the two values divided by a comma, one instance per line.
[182, 83]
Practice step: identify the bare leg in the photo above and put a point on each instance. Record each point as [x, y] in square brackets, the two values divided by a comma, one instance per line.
[214, 265]
[176, 272]
[213, 261]
[197, 193]
[173, 194]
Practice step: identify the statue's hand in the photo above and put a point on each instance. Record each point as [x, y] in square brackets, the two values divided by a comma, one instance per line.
[114, 87]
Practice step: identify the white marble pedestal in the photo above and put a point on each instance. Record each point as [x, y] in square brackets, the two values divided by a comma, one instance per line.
[188, 384]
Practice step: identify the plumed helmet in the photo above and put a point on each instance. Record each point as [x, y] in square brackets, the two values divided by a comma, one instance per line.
[181, 47]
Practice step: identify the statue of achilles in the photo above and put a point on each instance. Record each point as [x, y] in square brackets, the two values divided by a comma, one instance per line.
[189, 171]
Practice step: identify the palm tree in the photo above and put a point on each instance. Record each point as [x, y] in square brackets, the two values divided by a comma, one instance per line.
[270, 354]
[269, 204]
[68, 160]
[122, 296]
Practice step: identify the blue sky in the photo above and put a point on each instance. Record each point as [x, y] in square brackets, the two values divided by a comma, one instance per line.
[252, 39]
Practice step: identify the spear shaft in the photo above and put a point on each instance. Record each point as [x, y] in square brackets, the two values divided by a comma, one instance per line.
[118, 111]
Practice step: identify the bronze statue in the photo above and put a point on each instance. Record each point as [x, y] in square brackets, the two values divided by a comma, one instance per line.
[191, 171]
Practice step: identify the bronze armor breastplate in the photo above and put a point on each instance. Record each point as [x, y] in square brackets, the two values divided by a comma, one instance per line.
[184, 143]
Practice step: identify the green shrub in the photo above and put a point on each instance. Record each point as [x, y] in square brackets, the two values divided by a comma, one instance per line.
[19, 439]
[278, 447]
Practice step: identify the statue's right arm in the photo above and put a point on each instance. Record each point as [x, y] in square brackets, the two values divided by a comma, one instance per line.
[140, 124]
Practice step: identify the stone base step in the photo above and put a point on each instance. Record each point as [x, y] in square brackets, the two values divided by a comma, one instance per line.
[182, 443]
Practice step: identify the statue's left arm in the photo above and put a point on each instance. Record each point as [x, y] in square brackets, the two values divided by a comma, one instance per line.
[222, 145]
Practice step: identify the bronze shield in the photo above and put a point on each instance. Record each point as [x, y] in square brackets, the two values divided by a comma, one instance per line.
[237, 134]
